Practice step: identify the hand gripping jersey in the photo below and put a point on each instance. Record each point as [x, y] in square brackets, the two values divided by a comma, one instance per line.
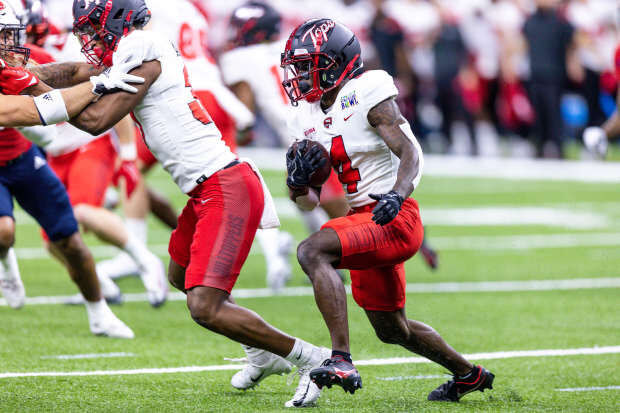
[363, 161]
[265, 80]
[176, 127]
[184, 25]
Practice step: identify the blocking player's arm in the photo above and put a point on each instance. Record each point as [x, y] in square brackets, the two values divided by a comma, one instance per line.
[110, 109]
[388, 121]
[16, 111]
[62, 75]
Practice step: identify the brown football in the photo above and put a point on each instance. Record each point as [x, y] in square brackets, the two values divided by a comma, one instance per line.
[321, 175]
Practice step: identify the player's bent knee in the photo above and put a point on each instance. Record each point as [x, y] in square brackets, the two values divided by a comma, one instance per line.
[203, 312]
[307, 254]
[73, 247]
[7, 234]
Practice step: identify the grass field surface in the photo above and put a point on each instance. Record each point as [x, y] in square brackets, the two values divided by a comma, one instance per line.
[486, 230]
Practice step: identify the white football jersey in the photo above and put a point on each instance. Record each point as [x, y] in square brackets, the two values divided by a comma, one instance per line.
[187, 29]
[264, 78]
[363, 161]
[176, 127]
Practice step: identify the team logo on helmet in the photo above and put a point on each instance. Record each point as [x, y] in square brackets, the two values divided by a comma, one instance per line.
[2, 6]
[318, 33]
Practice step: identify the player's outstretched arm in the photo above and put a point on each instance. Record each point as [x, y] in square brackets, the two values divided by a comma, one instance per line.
[102, 115]
[63, 75]
[18, 111]
[393, 128]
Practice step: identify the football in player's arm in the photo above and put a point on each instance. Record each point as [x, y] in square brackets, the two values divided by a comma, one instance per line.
[392, 127]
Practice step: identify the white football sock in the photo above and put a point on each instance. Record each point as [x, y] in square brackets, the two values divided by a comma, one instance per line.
[10, 269]
[97, 309]
[268, 240]
[138, 251]
[137, 227]
[302, 353]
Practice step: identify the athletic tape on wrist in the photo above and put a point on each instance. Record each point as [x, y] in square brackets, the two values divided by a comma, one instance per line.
[51, 107]
[128, 151]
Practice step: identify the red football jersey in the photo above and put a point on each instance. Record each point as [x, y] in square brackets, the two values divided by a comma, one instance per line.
[12, 144]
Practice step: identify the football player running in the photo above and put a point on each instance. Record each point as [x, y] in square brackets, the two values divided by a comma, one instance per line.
[25, 175]
[255, 40]
[596, 138]
[227, 200]
[379, 161]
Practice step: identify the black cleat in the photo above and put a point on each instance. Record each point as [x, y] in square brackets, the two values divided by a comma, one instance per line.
[337, 370]
[456, 388]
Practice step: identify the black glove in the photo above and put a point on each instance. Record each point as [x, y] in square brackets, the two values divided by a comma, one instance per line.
[388, 207]
[300, 166]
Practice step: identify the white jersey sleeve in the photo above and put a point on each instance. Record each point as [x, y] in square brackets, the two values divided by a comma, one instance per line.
[176, 127]
[378, 86]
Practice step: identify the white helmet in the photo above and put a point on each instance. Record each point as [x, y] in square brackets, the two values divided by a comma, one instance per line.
[12, 31]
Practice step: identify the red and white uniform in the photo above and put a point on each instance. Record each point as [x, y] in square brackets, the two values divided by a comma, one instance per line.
[84, 163]
[366, 165]
[265, 81]
[187, 28]
[226, 202]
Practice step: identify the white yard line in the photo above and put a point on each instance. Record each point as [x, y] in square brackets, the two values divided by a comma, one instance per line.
[590, 388]
[88, 356]
[446, 287]
[469, 167]
[456, 243]
[373, 362]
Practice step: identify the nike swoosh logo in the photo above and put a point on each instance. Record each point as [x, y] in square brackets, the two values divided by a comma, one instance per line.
[204, 201]
[347, 118]
[299, 355]
[23, 77]
[258, 378]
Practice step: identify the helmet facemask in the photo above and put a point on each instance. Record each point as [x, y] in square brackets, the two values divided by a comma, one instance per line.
[306, 75]
[98, 44]
[11, 41]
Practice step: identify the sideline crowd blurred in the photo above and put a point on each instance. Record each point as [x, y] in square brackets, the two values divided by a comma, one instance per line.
[479, 77]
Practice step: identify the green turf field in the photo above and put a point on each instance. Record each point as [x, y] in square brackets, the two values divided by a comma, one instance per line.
[504, 239]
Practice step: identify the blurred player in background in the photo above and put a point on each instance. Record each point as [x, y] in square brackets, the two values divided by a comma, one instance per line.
[88, 164]
[596, 138]
[372, 147]
[228, 200]
[25, 174]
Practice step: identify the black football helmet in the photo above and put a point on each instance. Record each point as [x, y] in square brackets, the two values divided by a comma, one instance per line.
[37, 22]
[12, 34]
[254, 22]
[319, 55]
[101, 24]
